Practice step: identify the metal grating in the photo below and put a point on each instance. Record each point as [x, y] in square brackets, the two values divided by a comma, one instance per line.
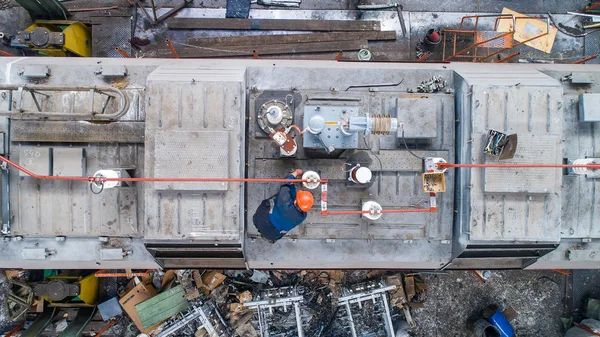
[591, 45]
[111, 33]
[503, 42]
[531, 149]
[184, 154]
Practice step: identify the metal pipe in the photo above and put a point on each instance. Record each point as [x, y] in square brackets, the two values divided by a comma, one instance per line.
[122, 98]
[352, 327]
[388, 316]
[298, 319]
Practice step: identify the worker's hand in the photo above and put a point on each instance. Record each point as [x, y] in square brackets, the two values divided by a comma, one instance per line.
[297, 173]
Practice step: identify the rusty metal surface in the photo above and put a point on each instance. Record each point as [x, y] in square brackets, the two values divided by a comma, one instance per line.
[76, 132]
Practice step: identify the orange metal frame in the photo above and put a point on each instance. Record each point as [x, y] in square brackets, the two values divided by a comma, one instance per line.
[474, 31]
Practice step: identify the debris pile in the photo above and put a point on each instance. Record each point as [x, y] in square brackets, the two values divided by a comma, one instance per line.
[218, 302]
[434, 84]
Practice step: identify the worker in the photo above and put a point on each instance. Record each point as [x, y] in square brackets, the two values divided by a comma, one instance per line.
[284, 211]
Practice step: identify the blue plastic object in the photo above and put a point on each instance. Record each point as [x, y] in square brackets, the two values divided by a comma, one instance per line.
[502, 324]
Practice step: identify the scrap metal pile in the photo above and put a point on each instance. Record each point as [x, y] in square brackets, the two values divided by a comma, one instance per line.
[218, 302]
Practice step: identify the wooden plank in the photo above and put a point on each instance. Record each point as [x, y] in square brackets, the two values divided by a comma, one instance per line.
[273, 24]
[289, 48]
[292, 38]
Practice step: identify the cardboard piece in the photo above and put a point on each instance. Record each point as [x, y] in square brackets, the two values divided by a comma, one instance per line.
[168, 278]
[138, 294]
[210, 280]
[526, 29]
[245, 296]
[397, 297]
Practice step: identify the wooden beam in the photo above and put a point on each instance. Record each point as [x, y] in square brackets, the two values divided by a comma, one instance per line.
[292, 38]
[273, 24]
[289, 48]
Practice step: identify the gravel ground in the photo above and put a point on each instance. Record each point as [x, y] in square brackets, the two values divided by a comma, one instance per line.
[537, 296]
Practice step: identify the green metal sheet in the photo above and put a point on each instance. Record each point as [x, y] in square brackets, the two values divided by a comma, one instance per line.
[76, 326]
[45, 9]
[40, 323]
[162, 306]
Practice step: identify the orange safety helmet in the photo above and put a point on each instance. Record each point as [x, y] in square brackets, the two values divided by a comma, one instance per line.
[305, 200]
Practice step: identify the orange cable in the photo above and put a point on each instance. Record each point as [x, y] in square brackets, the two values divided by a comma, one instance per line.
[298, 129]
[104, 179]
[450, 165]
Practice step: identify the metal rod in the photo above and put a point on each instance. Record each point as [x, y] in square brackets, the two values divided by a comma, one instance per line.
[388, 316]
[424, 57]
[352, 327]
[21, 114]
[590, 7]
[525, 41]
[105, 104]
[508, 58]
[377, 85]
[141, 6]
[587, 58]
[475, 45]
[122, 52]
[37, 104]
[299, 319]
[153, 10]
[172, 48]
[173, 10]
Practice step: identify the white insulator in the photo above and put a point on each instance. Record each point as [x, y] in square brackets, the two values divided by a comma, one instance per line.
[313, 180]
[583, 170]
[360, 175]
[109, 174]
[374, 209]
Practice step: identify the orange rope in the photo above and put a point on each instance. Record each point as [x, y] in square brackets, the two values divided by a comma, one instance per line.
[2, 52]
